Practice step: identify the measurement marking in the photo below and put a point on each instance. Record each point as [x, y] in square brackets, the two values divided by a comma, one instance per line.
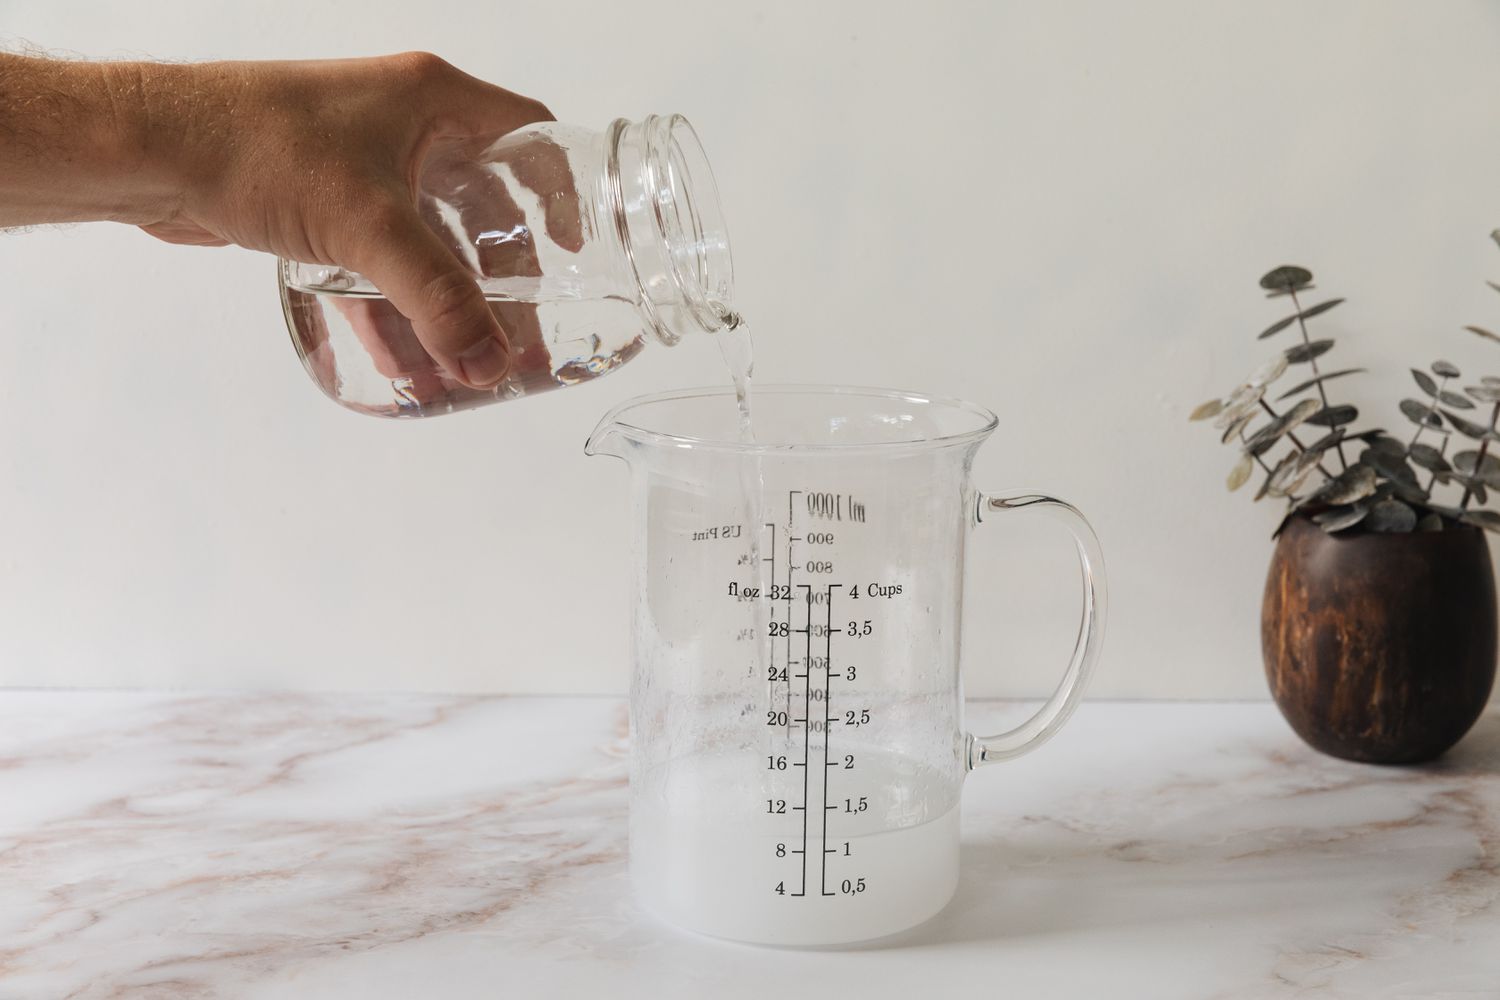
[827, 730]
[807, 737]
[790, 566]
[799, 676]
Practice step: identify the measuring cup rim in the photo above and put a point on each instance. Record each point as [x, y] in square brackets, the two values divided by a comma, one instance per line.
[613, 421]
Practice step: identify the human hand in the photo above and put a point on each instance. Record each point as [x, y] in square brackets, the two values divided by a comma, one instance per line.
[468, 198]
[323, 162]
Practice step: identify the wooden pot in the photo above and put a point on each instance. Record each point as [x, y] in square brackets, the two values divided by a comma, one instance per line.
[1380, 647]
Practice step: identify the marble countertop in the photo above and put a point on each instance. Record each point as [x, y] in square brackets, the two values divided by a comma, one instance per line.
[197, 847]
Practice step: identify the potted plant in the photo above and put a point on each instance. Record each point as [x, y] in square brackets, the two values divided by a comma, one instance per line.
[1378, 625]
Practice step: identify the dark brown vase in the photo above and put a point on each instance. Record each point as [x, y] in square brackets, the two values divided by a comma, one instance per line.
[1380, 647]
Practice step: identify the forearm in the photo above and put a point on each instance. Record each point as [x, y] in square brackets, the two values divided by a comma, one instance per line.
[88, 141]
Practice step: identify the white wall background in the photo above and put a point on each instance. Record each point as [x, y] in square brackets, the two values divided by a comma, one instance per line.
[1057, 209]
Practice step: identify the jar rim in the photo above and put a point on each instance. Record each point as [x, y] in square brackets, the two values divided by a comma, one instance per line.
[686, 215]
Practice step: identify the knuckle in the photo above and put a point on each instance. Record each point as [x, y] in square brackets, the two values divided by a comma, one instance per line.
[535, 111]
[421, 68]
[449, 299]
[375, 224]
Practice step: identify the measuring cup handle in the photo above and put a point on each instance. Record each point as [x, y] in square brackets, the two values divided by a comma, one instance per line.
[1050, 718]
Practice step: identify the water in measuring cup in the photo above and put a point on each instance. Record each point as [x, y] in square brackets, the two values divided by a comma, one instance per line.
[362, 352]
[709, 851]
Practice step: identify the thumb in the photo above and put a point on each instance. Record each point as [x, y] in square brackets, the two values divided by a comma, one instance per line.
[430, 286]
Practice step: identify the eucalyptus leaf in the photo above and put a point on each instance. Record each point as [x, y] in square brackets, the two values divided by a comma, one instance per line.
[1425, 381]
[1391, 517]
[1430, 522]
[1493, 285]
[1410, 492]
[1390, 465]
[1234, 429]
[1491, 380]
[1287, 277]
[1473, 484]
[1240, 473]
[1354, 483]
[1241, 401]
[1470, 429]
[1483, 333]
[1483, 393]
[1338, 518]
[1421, 413]
[1268, 372]
[1429, 458]
[1277, 327]
[1273, 431]
[1334, 416]
[1486, 470]
[1319, 309]
[1268, 487]
[1302, 353]
[1467, 461]
[1306, 464]
[1325, 442]
[1203, 411]
[1456, 401]
[1300, 387]
[1486, 519]
[1388, 444]
[1296, 482]
[1445, 368]
[1276, 482]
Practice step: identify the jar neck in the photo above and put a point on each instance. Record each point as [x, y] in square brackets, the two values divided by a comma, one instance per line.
[665, 210]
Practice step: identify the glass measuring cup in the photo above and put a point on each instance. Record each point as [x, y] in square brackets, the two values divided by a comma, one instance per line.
[796, 706]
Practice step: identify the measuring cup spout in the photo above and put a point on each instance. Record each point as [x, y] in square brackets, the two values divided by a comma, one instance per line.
[606, 438]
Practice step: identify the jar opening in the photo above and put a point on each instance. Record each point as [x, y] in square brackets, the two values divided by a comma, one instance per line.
[668, 216]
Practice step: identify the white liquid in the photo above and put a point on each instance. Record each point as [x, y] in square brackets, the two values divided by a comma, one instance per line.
[706, 854]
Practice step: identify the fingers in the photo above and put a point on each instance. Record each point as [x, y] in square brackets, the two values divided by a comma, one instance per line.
[428, 285]
[542, 166]
[485, 219]
[184, 234]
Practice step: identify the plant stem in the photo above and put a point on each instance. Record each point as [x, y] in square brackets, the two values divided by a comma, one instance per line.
[1322, 393]
[1293, 438]
[1262, 461]
[1432, 481]
[1431, 409]
[1484, 446]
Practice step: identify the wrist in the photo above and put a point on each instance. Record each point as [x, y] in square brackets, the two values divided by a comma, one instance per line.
[143, 141]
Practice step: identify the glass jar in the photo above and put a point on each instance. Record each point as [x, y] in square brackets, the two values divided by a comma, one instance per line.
[587, 246]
